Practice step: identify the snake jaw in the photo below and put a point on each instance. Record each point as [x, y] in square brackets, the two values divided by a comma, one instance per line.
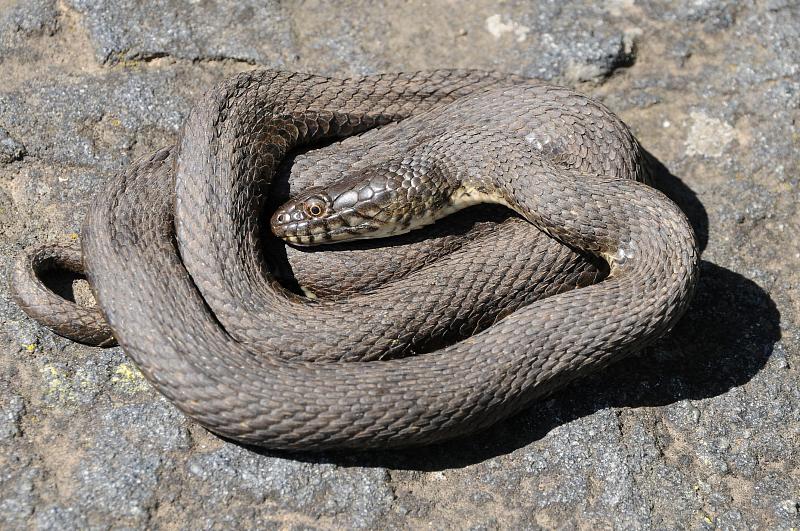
[351, 209]
[294, 224]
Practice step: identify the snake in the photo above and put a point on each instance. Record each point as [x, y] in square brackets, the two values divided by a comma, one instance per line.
[419, 331]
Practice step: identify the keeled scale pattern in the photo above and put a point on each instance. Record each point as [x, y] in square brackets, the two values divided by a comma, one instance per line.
[220, 339]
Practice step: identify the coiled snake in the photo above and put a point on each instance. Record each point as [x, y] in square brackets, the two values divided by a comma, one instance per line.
[175, 252]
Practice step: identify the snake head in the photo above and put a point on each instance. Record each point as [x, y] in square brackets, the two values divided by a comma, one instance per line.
[343, 211]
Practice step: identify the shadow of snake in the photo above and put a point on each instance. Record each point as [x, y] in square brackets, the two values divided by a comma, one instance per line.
[724, 340]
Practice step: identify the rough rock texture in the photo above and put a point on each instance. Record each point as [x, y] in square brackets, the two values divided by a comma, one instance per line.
[701, 431]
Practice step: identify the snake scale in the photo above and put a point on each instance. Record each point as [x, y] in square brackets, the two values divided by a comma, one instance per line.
[441, 333]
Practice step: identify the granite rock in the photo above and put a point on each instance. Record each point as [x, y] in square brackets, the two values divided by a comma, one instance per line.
[10, 149]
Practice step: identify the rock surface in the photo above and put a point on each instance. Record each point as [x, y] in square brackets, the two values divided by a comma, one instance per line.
[700, 431]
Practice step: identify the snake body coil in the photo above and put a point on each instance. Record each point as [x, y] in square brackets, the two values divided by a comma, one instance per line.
[174, 252]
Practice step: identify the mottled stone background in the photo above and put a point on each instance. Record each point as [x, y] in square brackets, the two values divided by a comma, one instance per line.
[701, 431]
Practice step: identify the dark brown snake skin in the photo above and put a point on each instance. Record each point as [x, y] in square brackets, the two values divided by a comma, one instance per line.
[176, 257]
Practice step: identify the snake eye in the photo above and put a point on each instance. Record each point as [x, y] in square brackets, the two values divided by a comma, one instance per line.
[315, 207]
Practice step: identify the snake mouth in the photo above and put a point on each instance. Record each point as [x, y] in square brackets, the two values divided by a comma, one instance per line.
[295, 224]
[361, 231]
